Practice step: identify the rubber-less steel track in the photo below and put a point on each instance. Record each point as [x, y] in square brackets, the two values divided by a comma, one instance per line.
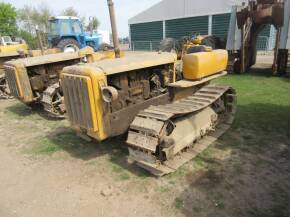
[149, 128]
[52, 101]
[4, 90]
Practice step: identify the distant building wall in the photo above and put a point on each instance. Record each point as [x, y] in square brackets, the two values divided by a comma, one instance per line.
[176, 19]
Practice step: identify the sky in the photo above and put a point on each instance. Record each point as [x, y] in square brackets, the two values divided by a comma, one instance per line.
[125, 9]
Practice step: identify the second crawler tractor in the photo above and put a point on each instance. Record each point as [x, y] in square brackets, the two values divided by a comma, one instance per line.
[35, 80]
[168, 121]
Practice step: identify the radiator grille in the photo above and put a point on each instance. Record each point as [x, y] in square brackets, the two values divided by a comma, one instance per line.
[10, 74]
[77, 100]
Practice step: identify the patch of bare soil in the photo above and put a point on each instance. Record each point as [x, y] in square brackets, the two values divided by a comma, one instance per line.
[68, 182]
[247, 183]
[45, 170]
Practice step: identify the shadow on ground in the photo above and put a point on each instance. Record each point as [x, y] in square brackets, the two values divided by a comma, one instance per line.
[254, 123]
[263, 70]
[66, 140]
[253, 181]
[22, 111]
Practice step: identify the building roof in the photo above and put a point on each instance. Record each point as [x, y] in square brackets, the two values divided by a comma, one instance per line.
[64, 18]
[174, 9]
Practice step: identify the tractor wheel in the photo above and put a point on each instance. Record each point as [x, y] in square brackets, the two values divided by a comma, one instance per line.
[68, 45]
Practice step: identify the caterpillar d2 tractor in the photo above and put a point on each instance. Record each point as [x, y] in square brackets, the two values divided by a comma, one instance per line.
[169, 121]
[35, 80]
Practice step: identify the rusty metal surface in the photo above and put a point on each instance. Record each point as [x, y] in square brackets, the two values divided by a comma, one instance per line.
[120, 121]
[77, 101]
[53, 102]
[269, 14]
[206, 97]
[114, 28]
[18, 82]
[134, 62]
[188, 83]
[9, 54]
[251, 20]
[12, 82]
[46, 59]
[36, 79]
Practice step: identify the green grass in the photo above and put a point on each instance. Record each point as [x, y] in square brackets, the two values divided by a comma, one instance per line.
[163, 189]
[263, 102]
[261, 127]
[120, 172]
[65, 141]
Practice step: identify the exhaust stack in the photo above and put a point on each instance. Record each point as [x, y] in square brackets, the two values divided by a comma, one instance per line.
[114, 28]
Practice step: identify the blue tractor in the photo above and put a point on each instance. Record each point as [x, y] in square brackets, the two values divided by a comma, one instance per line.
[67, 34]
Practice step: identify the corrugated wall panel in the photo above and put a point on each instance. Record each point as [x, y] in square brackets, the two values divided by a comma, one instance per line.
[263, 38]
[220, 25]
[186, 27]
[145, 36]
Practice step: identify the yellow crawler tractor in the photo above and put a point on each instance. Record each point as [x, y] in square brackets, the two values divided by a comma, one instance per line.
[9, 50]
[169, 121]
[35, 80]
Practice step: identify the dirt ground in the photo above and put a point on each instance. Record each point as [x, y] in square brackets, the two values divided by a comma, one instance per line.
[47, 171]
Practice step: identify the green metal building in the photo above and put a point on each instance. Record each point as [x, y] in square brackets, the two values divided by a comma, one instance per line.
[175, 19]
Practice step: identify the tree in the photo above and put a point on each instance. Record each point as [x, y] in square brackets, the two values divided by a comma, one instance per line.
[70, 11]
[25, 18]
[7, 19]
[29, 18]
[29, 38]
[43, 16]
[94, 23]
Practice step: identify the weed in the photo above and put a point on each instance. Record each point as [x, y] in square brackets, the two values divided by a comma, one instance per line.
[218, 200]
[117, 169]
[196, 211]
[121, 172]
[163, 189]
[124, 176]
[179, 203]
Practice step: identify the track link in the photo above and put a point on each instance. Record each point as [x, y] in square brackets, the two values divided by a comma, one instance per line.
[150, 128]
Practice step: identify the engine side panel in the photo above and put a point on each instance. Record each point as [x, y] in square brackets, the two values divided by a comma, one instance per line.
[135, 90]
